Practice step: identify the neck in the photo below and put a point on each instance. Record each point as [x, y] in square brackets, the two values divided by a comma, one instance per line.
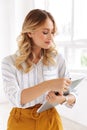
[37, 55]
[37, 52]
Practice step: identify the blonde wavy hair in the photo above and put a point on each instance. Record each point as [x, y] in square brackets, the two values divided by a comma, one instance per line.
[33, 20]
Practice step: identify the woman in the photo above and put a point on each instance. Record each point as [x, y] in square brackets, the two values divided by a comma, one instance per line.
[34, 73]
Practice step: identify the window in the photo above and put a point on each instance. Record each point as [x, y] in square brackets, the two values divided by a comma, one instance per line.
[71, 20]
[61, 11]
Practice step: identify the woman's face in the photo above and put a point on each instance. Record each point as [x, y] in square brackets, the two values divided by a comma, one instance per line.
[43, 36]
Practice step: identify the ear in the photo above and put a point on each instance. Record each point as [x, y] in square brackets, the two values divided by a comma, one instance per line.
[29, 34]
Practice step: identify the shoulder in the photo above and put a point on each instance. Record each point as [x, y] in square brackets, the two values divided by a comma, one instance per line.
[8, 64]
[59, 58]
[9, 59]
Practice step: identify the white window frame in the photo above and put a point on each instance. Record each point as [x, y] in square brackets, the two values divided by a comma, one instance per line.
[80, 43]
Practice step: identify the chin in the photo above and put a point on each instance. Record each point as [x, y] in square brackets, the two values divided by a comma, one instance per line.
[47, 47]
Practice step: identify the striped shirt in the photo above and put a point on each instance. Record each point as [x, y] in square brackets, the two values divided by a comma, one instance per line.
[14, 80]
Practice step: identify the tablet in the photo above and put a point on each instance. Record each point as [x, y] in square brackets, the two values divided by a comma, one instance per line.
[46, 105]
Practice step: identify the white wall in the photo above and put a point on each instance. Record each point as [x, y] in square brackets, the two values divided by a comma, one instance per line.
[11, 17]
[79, 112]
[12, 14]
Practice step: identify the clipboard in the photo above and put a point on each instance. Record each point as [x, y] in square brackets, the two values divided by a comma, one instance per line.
[46, 105]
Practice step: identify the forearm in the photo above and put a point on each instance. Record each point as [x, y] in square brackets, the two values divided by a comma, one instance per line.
[32, 93]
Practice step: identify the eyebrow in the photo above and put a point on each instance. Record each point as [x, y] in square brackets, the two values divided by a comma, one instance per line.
[46, 29]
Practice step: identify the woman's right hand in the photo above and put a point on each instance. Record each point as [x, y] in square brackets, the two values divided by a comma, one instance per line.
[60, 85]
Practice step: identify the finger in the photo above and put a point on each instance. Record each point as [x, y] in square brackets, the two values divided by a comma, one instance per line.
[51, 96]
[61, 93]
[67, 84]
[50, 92]
[68, 80]
[65, 88]
[47, 98]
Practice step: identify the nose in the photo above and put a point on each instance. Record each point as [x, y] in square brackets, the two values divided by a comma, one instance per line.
[50, 36]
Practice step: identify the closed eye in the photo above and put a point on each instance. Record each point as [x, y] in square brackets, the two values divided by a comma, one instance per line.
[45, 33]
[48, 32]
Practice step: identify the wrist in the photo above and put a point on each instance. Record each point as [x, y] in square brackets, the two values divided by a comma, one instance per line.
[46, 86]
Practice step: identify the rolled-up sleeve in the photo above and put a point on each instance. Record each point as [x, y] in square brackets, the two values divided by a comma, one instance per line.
[10, 84]
[63, 70]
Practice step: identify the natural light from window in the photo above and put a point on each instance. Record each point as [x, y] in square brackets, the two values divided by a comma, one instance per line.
[71, 19]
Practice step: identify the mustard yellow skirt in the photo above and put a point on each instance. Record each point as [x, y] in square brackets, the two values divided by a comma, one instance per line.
[29, 119]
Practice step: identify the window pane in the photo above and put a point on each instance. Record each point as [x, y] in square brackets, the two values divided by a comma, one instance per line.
[61, 10]
[84, 58]
[80, 19]
[77, 58]
[41, 4]
[71, 19]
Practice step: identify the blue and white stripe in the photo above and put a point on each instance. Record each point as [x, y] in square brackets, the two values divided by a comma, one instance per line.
[14, 81]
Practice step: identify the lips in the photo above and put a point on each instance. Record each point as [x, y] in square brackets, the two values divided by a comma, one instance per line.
[48, 42]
